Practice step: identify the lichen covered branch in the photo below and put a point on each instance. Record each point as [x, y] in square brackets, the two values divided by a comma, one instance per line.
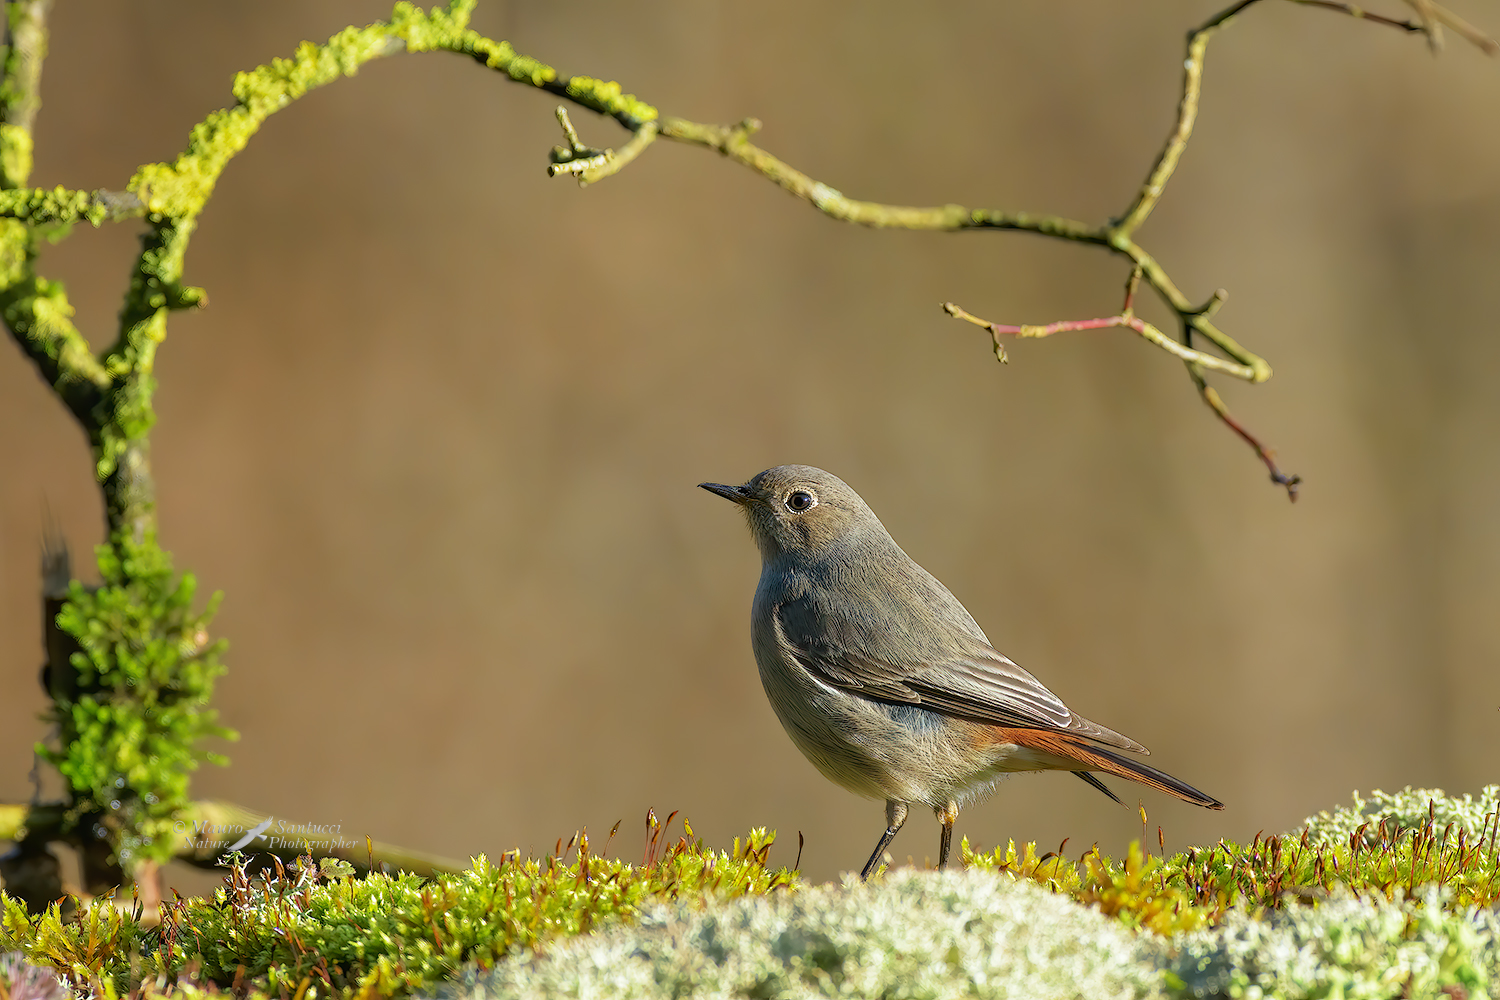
[111, 392]
[20, 86]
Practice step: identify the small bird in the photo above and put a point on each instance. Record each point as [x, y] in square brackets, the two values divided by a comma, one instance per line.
[883, 679]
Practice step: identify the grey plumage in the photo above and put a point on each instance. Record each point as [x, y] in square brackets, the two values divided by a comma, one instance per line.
[883, 679]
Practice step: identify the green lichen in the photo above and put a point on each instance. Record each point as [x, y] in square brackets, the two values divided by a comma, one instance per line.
[436, 29]
[39, 206]
[500, 56]
[15, 155]
[605, 97]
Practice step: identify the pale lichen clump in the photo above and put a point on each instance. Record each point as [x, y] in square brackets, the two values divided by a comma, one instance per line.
[944, 934]
[1344, 947]
[1410, 808]
[917, 934]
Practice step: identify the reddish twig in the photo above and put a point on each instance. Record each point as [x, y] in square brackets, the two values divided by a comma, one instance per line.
[1127, 319]
[1215, 403]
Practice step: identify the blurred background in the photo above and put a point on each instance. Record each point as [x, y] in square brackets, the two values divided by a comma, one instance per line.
[438, 434]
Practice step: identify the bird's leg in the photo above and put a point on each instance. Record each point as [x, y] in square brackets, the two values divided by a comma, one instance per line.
[895, 815]
[946, 816]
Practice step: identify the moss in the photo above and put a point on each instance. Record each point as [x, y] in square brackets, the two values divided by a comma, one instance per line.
[1221, 921]
[1392, 845]
[132, 713]
[129, 732]
[386, 935]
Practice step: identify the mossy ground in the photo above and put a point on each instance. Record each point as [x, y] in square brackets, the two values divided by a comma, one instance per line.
[315, 930]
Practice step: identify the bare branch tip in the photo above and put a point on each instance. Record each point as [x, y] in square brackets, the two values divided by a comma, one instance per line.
[584, 162]
[1131, 285]
[1219, 297]
[569, 132]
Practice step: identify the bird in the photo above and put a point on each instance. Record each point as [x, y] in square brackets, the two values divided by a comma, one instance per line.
[884, 680]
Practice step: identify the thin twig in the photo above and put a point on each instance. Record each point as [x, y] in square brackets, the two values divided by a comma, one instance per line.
[1146, 330]
[574, 158]
[1123, 320]
[1288, 482]
[1348, 8]
[1431, 17]
[592, 165]
[1187, 114]
[644, 136]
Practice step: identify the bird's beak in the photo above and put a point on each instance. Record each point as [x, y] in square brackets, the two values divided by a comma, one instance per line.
[735, 493]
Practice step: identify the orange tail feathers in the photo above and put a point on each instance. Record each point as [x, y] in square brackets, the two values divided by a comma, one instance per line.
[1096, 758]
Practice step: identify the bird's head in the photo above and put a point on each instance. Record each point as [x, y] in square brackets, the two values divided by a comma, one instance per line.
[798, 511]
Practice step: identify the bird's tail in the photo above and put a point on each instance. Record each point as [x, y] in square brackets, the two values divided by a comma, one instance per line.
[1111, 762]
[1097, 758]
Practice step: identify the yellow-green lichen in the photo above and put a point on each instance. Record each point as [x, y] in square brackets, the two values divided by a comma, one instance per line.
[605, 97]
[501, 56]
[42, 207]
[15, 154]
[437, 29]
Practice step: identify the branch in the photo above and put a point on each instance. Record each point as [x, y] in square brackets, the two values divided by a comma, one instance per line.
[1348, 8]
[20, 89]
[1117, 235]
[173, 195]
[206, 824]
[1187, 114]
[208, 828]
[1125, 319]
[1211, 397]
[590, 165]
[60, 207]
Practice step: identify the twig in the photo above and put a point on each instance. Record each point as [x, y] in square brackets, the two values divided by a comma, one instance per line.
[1430, 12]
[1348, 8]
[1430, 18]
[591, 165]
[1195, 360]
[575, 157]
[1289, 482]
[1124, 320]
[1187, 114]
[644, 136]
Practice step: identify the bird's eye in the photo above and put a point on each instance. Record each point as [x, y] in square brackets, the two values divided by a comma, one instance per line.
[800, 500]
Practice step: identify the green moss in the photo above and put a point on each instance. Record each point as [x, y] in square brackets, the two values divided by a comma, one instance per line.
[1227, 920]
[1393, 845]
[387, 935]
[134, 709]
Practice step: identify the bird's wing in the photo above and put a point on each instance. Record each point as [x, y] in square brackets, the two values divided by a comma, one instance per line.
[985, 686]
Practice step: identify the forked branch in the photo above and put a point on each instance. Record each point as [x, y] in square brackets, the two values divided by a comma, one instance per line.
[1116, 235]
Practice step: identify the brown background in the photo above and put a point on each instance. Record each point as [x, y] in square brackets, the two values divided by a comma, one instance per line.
[437, 435]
